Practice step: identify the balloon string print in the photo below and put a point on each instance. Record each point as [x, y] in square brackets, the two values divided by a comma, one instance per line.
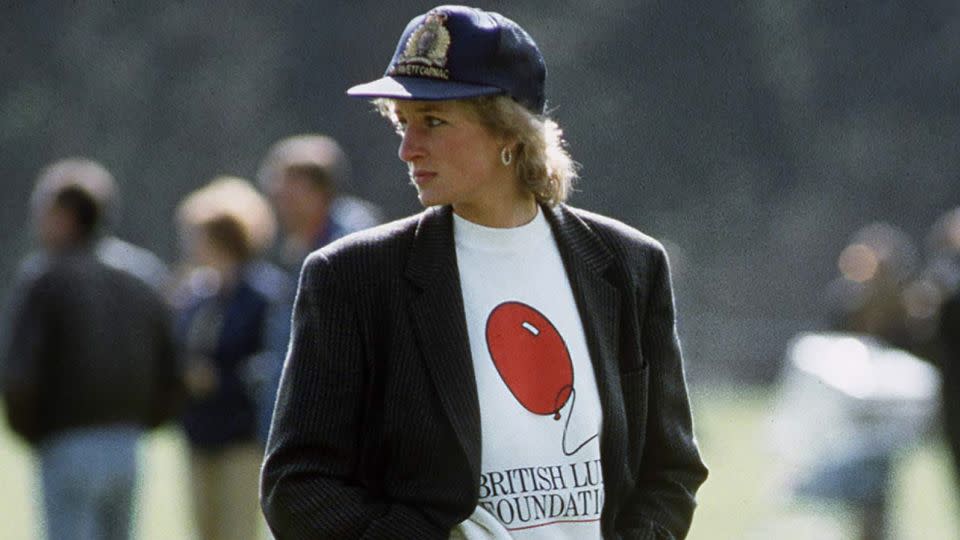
[532, 360]
[566, 427]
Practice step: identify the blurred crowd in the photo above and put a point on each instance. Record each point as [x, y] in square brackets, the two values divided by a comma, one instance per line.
[908, 297]
[892, 340]
[104, 341]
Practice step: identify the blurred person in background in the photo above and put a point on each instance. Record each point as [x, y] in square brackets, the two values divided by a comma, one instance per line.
[933, 319]
[429, 387]
[868, 298]
[94, 179]
[943, 272]
[936, 281]
[943, 251]
[304, 177]
[91, 362]
[223, 302]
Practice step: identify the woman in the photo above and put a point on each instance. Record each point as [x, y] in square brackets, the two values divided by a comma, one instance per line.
[499, 366]
[222, 314]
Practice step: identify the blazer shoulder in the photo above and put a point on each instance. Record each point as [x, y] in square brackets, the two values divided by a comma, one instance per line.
[370, 243]
[618, 236]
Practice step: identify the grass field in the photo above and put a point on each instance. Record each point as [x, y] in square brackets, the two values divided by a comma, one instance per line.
[739, 501]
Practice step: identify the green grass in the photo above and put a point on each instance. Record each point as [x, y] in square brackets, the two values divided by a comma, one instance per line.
[739, 501]
[742, 500]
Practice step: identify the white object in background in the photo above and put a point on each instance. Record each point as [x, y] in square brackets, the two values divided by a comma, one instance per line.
[846, 396]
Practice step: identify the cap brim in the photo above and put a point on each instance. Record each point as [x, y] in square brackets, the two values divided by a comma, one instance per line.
[420, 88]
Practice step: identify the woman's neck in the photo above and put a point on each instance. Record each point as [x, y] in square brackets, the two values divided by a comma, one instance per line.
[518, 211]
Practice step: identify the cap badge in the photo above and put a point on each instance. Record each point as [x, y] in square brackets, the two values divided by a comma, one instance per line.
[425, 53]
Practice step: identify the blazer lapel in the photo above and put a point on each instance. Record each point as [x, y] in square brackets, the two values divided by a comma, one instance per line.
[438, 317]
[588, 263]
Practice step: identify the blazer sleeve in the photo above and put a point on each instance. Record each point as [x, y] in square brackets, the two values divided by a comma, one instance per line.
[310, 484]
[671, 470]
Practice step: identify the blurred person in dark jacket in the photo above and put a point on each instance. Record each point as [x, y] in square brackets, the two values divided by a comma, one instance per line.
[223, 304]
[91, 361]
[304, 176]
[435, 361]
[949, 337]
[94, 179]
[943, 281]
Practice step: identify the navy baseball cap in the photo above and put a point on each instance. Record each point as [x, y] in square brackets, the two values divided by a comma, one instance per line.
[454, 52]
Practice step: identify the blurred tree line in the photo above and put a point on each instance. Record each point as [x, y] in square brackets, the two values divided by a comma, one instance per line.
[752, 137]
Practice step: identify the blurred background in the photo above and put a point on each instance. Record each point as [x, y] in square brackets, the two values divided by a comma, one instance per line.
[754, 138]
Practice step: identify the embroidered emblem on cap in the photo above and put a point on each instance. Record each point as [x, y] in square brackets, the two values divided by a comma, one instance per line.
[425, 53]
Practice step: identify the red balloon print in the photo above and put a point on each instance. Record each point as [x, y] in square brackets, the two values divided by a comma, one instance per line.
[531, 357]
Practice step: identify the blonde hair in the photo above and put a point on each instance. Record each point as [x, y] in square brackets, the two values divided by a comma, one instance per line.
[228, 198]
[540, 157]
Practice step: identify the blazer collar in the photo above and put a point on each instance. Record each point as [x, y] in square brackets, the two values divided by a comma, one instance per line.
[439, 321]
[574, 235]
[588, 262]
[433, 249]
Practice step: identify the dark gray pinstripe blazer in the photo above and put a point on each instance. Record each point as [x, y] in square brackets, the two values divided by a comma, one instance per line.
[376, 431]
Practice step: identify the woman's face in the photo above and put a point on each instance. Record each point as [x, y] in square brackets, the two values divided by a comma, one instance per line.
[454, 159]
